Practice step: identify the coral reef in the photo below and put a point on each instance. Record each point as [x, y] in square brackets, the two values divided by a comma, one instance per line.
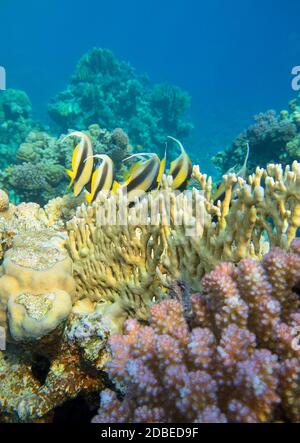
[55, 345]
[38, 170]
[71, 276]
[273, 138]
[232, 358]
[127, 265]
[115, 265]
[109, 92]
[103, 91]
[15, 123]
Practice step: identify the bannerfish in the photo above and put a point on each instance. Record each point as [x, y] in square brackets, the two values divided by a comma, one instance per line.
[220, 192]
[181, 168]
[102, 177]
[82, 162]
[143, 176]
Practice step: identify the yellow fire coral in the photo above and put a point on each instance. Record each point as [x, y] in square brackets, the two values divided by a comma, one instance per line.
[264, 210]
[126, 266]
[115, 265]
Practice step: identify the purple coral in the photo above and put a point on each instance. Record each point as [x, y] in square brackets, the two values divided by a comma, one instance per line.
[234, 361]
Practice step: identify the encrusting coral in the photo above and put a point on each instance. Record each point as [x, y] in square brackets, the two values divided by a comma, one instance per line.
[234, 357]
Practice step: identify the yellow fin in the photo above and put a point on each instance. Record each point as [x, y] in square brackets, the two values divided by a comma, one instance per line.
[115, 187]
[126, 175]
[71, 174]
[74, 157]
[173, 165]
[161, 171]
[94, 176]
[162, 167]
[134, 168]
[89, 197]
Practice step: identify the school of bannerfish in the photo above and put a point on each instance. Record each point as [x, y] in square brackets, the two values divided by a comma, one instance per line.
[143, 176]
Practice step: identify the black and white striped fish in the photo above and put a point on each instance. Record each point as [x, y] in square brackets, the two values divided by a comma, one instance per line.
[82, 162]
[144, 176]
[180, 169]
[102, 178]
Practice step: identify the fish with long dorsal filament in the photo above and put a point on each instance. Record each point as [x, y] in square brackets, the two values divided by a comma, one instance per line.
[144, 176]
[82, 162]
[220, 192]
[181, 168]
[102, 178]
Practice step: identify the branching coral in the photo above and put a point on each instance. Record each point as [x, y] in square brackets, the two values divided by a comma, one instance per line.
[262, 211]
[36, 182]
[234, 360]
[115, 264]
[128, 265]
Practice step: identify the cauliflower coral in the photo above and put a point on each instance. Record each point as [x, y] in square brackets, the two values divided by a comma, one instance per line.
[233, 357]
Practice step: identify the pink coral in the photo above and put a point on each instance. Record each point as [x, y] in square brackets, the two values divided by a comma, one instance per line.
[235, 359]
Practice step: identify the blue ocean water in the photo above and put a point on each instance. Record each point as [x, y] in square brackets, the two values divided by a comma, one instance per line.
[233, 57]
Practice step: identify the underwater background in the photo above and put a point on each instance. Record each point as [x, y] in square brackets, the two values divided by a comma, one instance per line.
[233, 58]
